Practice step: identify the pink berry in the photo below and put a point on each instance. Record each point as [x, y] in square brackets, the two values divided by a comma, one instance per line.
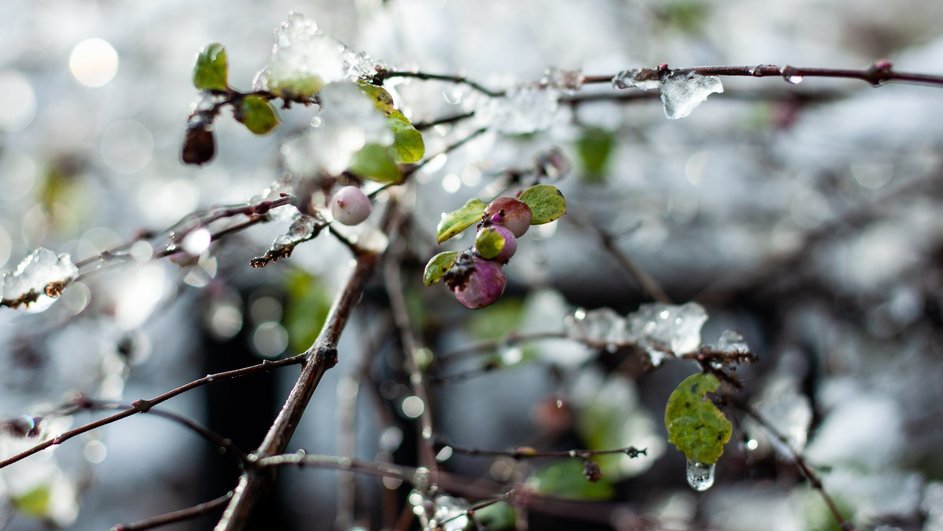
[475, 282]
[511, 213]
[350, 205]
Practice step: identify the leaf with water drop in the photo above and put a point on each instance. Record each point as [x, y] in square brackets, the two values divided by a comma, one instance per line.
[695, 425]
[211, 71]
[257, 114]
[546, 203]
[455, 222]
[438, 266]
[375, 162]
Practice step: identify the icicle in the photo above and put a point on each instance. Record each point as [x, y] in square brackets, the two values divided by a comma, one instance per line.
[700, 475]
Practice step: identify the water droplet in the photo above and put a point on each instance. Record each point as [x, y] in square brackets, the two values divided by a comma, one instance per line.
[700, 475]
[794, 80]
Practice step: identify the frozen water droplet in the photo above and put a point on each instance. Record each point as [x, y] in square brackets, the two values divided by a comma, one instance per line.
[682, 93]
[794, 80]
[641, 79]
[602, 325]
[451, 513]
[700, 475]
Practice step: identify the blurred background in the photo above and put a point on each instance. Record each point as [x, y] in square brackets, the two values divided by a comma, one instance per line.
[806, 216]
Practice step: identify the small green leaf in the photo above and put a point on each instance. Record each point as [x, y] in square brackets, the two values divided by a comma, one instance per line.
[458, 220]
[34, 502]
[695, 425]
[546, 203]
[211, 71]
[257, 114]
[489, 243]
[375, 162]
[565, 479]
[438, 266]
[407, 140]
[594, 148]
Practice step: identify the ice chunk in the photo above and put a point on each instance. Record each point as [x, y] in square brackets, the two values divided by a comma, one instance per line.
[348, 120]
[304, 59]
[602, 325]
[644, 79]
[37, 280]
[681, 93]
[660, 326]
[567, 81]
[451, 514]
[523, 109]
[732, 342]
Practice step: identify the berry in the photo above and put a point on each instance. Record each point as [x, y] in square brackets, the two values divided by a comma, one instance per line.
[496, 243]
[350, 205]
[476, 282]
[511, 213]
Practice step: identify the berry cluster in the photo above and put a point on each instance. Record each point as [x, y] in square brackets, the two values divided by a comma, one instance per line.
[476, 278]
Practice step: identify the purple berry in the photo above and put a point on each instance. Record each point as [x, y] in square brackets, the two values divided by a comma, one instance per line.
[511, 213]
[475, 282]
[350, 205]
[496, 243]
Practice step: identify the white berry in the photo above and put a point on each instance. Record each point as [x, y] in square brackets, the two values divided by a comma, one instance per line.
[350, 205]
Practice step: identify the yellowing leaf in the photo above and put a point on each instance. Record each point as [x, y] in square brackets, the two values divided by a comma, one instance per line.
[456, 221]
[438, 266]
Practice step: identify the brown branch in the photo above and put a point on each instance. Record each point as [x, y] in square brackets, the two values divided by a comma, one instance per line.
[422, 126]
[877, 74]
[141, 406]
[177, 516]
[384, 74]
[321, 356]
[526, 452]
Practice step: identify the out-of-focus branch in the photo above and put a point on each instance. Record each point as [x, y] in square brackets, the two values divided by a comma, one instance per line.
[177, 516]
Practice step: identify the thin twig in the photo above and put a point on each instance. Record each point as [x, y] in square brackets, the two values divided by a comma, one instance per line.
[177, 516]
[797, 459]
[141, 406]
[530, 453]
[383, 75]
[422, 126]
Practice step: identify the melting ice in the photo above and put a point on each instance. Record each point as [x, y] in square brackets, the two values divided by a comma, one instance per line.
[33, 274]
[700, 475]
[682, 93]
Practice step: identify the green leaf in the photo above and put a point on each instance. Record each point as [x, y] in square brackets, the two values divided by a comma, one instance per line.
[546, 203]
[489, 243]
[257, 114]
[695, 425]
[35, 502]
[594, 148]
[565, 479]
[211, 71]
[375, 162]
[306, 309]
[407, 140]
[456, 221]
[438, 266]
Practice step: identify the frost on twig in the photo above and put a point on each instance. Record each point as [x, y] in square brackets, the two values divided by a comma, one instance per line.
[37, 281]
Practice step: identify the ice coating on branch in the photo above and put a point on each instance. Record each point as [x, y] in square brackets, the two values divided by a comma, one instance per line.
[37, 280]
[304, 59]
[682, 93]
[567, 81]
[523, 109]
[669, 326]
[348, 120]
[450, 514]
[732, 342]
[636, 78]
[658, 328]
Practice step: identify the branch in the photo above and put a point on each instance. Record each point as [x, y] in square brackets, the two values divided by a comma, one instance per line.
[177, 516]
[383, 75]
[526, 452]
[141, 406]
[877, 74]
[321, 356]
[797, 459]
